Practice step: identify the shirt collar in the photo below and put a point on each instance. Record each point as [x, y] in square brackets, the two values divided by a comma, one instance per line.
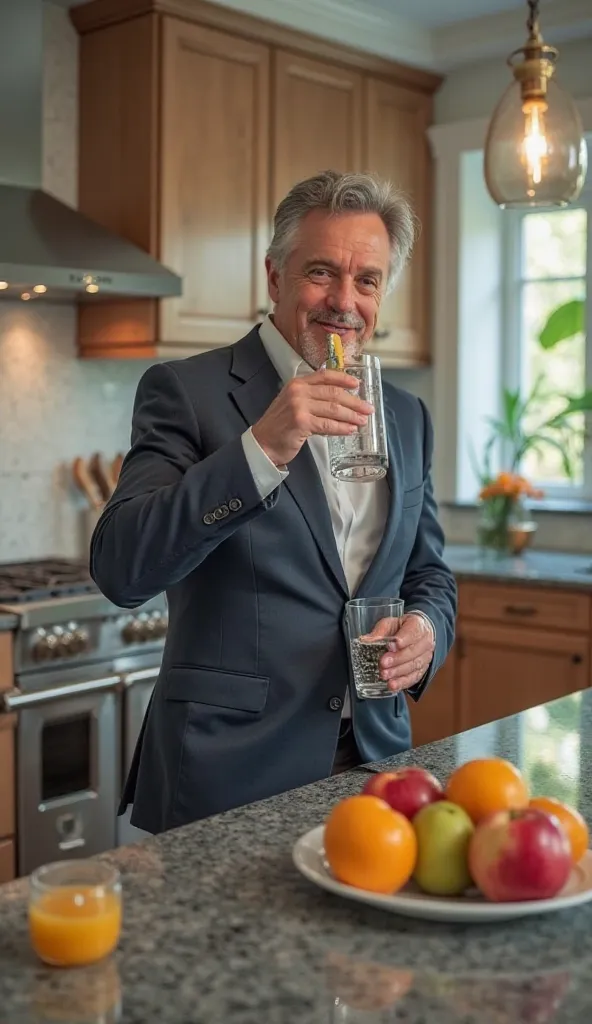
[286, 361]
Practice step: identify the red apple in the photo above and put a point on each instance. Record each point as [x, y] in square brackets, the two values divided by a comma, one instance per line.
[519, 855]
[377, 783]
[410, 789]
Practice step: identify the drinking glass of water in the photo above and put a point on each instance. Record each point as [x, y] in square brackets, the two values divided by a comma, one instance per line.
[362, 456]
[362, 614]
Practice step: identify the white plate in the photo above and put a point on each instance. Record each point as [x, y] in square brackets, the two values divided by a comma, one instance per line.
[309, 858]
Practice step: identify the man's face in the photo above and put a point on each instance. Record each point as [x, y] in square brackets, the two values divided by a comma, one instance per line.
[333, 281]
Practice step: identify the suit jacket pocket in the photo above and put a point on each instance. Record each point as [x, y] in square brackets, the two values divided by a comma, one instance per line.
[216, 687]
[413, 496]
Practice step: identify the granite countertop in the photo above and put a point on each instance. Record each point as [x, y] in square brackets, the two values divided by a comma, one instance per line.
[467, 561]
[533, 567]
[220, 927]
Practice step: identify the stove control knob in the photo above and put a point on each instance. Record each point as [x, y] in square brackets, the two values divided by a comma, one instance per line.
[160, 626]
[80, 643]
[132, 631]
[45, 646]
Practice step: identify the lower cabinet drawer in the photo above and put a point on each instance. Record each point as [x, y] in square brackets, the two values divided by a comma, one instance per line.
[531, 607]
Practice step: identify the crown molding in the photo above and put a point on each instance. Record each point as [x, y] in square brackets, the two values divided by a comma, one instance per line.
[366, 27]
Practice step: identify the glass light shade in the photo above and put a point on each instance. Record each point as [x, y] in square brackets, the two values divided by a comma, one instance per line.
[535, 152]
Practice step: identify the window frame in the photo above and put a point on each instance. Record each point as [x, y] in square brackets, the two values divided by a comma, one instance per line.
[512, 353]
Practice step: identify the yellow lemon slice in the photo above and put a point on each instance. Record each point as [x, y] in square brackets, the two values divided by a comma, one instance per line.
[335, 360]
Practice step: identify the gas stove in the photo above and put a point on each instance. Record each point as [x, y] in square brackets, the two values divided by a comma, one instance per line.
[62, 616]
[84, 671]
[22, 582]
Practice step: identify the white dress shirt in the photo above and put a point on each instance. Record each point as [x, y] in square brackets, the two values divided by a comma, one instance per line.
[358, 511]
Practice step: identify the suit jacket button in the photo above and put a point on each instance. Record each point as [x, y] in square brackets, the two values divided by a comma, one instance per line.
[209, 519]
[235, 504]
[219, 513]
[336, 703]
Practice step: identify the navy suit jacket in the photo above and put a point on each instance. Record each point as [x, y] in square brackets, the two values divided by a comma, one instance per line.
[256, 654]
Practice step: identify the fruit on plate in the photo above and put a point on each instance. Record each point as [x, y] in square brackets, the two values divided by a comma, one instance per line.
[410, 789]
[520, 855]
[444, 831]
[377, 783]
[487, 785]
[574, 825]
[368, 845]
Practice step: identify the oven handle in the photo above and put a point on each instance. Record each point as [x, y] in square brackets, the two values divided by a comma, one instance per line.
[15, 700]
[142, 675]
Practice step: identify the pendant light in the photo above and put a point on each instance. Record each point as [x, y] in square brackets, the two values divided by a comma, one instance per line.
[535, 151]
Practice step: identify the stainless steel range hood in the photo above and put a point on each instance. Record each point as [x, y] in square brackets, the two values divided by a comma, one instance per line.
[48, 249]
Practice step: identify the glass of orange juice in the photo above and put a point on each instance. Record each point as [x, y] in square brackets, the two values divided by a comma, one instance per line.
[75, 910]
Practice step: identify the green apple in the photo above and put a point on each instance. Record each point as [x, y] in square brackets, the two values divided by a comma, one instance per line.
[443, 831]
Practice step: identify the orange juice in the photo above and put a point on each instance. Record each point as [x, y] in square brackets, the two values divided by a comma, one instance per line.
[72, 925]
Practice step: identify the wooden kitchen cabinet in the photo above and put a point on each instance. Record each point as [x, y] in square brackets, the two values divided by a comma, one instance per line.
[317, 120]
[194, 122]
[435, 715]
[7, 861]
[503, 669]
[214, 226]
[7, 779]
[396, 147]
[516, 647]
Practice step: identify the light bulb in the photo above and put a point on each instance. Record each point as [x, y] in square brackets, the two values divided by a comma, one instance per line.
[3, 285]
[535, 147]
[39, 288]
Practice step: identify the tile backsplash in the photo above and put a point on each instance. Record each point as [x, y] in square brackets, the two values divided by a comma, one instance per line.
[53, 407]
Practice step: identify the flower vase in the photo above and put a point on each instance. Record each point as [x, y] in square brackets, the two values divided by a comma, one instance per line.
[505, 525]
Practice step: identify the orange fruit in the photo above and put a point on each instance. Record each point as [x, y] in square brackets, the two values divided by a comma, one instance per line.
[370, 846]
[486, 785]
[574, 825]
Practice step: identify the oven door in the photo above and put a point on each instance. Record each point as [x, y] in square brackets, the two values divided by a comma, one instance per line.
[137, 691]
[68, 775]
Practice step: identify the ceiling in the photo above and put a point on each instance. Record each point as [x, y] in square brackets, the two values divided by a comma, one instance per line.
[435, 13]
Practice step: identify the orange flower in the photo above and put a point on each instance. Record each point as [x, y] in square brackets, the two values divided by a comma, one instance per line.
[509, 485]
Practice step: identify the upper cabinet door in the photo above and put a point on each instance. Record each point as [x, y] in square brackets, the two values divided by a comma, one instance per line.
[397, 149]
[317, 120]
[214, 215]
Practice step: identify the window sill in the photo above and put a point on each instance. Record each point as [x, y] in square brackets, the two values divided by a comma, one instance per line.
[578, 506]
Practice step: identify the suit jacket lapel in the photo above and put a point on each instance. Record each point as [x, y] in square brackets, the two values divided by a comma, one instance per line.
[259, 385]
[394, 479]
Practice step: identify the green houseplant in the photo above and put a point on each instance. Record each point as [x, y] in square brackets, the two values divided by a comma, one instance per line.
[524, 425]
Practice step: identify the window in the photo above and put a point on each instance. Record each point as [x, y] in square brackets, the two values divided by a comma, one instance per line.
[548, 262]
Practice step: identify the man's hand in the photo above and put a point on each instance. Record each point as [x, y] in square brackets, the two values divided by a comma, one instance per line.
[410, 653]
[319, 403]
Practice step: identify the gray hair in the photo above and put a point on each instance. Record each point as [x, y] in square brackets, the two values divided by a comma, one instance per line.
[346, 193]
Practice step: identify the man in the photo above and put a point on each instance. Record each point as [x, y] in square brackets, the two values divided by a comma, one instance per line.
[226, 502]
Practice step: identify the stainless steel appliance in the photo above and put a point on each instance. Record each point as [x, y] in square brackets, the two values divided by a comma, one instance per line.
[84, 672]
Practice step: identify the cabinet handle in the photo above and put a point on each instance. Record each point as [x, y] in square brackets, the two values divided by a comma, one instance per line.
[261, 312]
[520, 609]
[576, 659]
[381, 333]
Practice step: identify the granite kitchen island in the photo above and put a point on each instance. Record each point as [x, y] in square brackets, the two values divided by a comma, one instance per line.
[219, 927]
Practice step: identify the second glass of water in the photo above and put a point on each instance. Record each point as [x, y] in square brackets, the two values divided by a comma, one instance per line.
[362, 615]
[362, 456]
